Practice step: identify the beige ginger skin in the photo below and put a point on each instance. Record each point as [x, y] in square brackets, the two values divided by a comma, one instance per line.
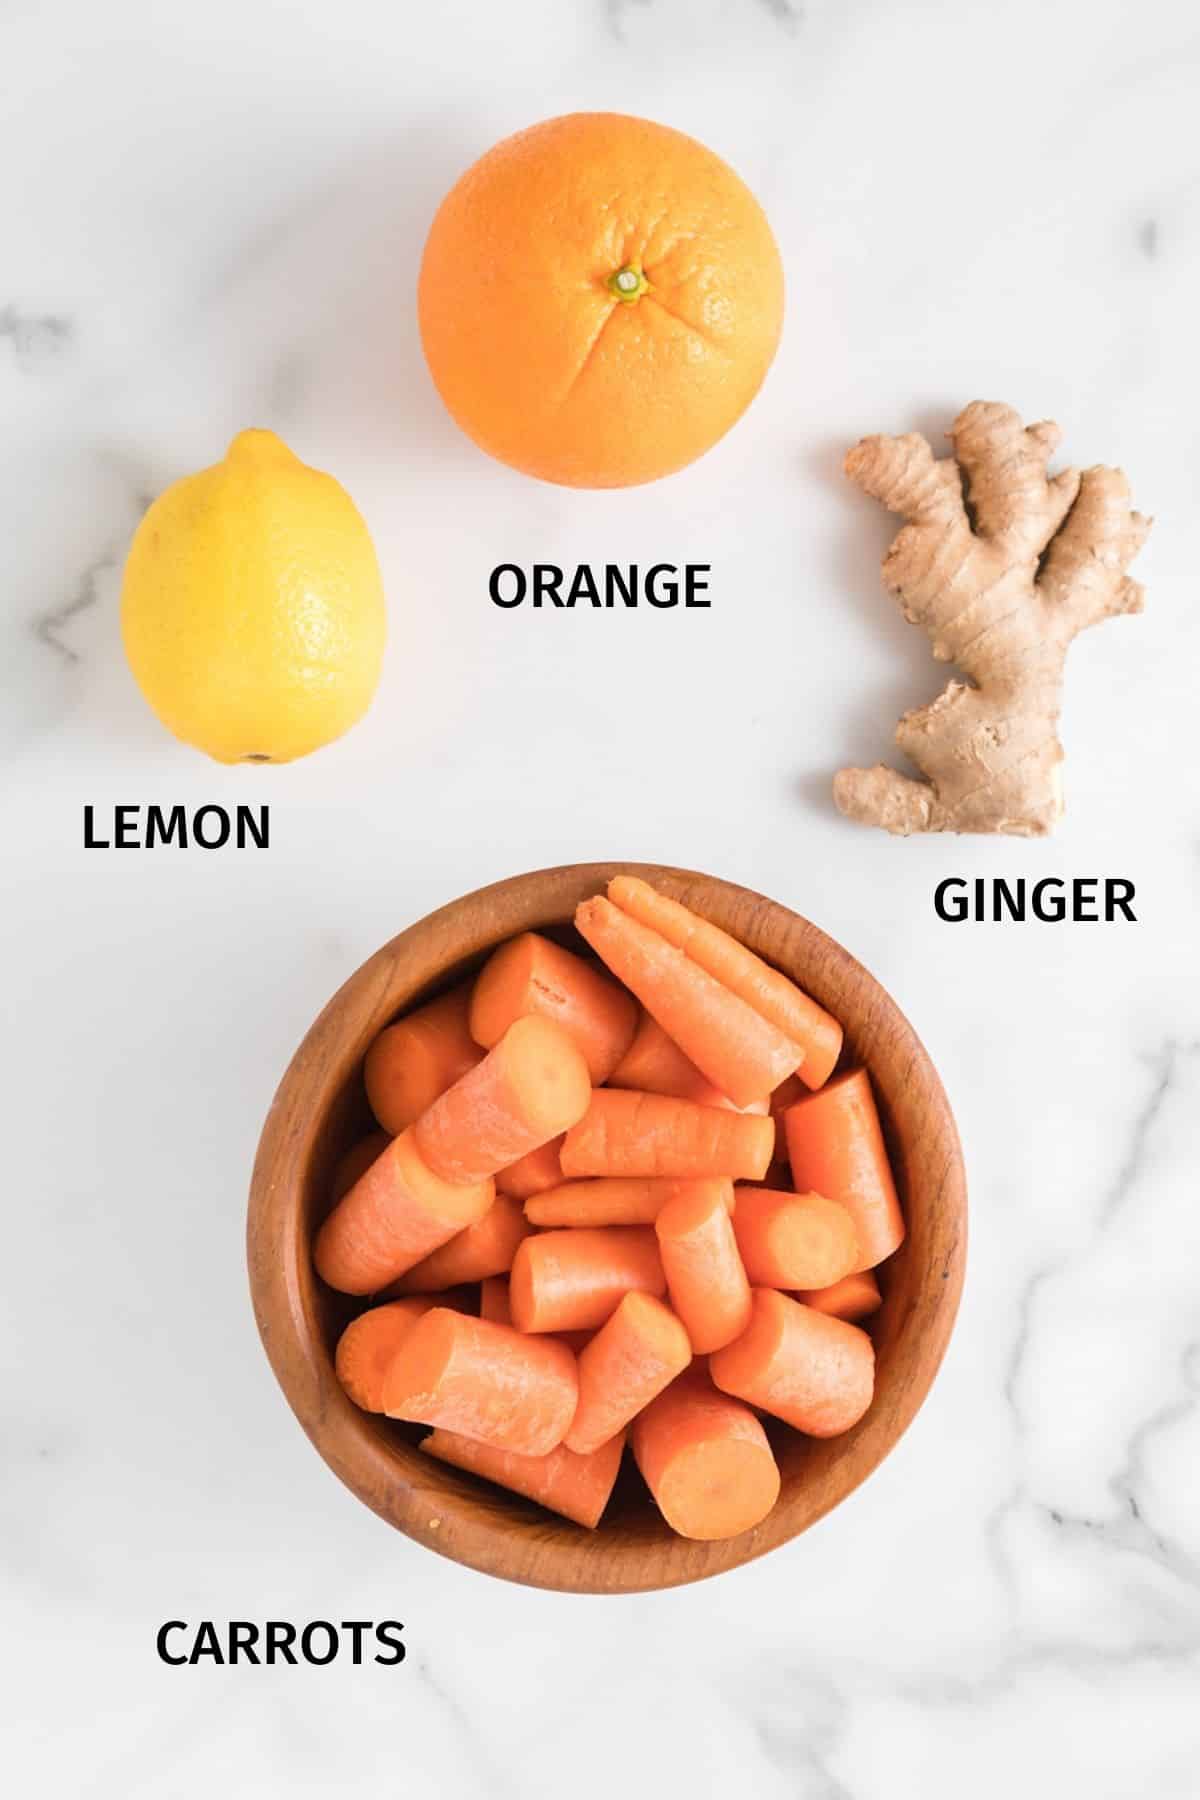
[1001, 564]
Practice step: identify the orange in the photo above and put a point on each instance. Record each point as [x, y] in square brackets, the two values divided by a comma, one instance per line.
[600, 299]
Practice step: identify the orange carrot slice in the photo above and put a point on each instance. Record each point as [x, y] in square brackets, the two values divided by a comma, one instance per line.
[527, 1090]
[393, 1216]
[654, 1064]
[836, 1148]
[532, 975]
[485, 1248]
[623, 1133]
[632, 1357]
[493, 1299]
[771, 994]
[739, 1051]
[705, 1459]
[814, 1371]
[853, 1297]
[612, 1200]
[574, 1280]
[356, 1161]
[532, 1174]
[418, 1058]
[705, 1277]
[578, 1487]
[368, 1344]
[792, 1240]
[484, 1380]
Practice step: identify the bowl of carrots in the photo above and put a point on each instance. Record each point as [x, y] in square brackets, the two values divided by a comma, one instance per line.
[607, 1228]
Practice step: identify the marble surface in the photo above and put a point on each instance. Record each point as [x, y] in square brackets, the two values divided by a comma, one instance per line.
[211, 218]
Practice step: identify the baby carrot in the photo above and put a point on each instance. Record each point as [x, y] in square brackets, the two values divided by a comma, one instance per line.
[791, 1240]
[485, 1248]
[623, 1133]
[836, 1148]
[612, 1200]
[493, 1299]
[578, 1487]
[705, 1459]
[368, 1344]
[770, 994]
[418, 1058]
[532, 1174]
[532, 975]
[853, 1297]
[705, 1277]
[654, 1064]
[814, 1371]
[484, 1380]
[738, 1050]
[395, 1214]
[527, 1090]
[632, 1357]
[574, 1280]
[356, 1161]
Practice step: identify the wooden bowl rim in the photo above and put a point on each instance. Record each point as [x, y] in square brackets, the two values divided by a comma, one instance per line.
[440, 1508]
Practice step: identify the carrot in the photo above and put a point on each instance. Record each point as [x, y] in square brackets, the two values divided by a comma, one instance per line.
[771, 994]
[705, 1277]
[493, 1299]
[630, 1360]
[623, 1133]
[738, 1050]
[527, 1090]
[617, 1200]
[814, 1371]
[356, 1161]
[368, 1344]
[836, 1148]
[578, 1487]
[393, 1216]
[654, 1064]
[531, 975]
[532, 1174]
[573, 1280]
[791, 1240]
[418, 1058]
[853, 1297]
[484, 1380]
[705, 1459]
[485, 1248]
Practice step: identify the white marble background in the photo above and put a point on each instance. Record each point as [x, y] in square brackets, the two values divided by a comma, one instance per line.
[210, 216]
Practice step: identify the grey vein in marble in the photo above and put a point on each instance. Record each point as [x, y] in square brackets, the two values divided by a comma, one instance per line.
[34, 337]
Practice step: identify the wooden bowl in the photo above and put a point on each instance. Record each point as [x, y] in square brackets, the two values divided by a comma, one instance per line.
[320, 1109]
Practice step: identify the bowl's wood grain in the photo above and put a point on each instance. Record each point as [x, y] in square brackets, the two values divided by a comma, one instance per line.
[319, 1109]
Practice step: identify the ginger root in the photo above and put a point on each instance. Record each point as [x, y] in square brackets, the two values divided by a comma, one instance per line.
[1001, 565]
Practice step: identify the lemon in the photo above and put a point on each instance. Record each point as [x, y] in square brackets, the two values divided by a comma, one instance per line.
[252, 607]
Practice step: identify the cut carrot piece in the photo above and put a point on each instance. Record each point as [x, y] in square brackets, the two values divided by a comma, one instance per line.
[770, 993]
[574, 1280]
[792, 1240]
[493, 1299]
[485, 1248]
[654, 1064]
[632, 1357]
[705, 1277]
[356, 1161]
[531, 975]
[739, 1051]
[705, 1459]
[578, 1487]
[615, 1200]
[836, 1148]
[853, 1297]
[532, 1174]
[393, 1216]
[623, 1133]
[527, 1090]
[368, 1344]
[814, 1371]
[418, 1058]
[484, 1380]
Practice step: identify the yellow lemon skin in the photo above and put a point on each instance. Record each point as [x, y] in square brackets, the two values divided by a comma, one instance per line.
[252, 607]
